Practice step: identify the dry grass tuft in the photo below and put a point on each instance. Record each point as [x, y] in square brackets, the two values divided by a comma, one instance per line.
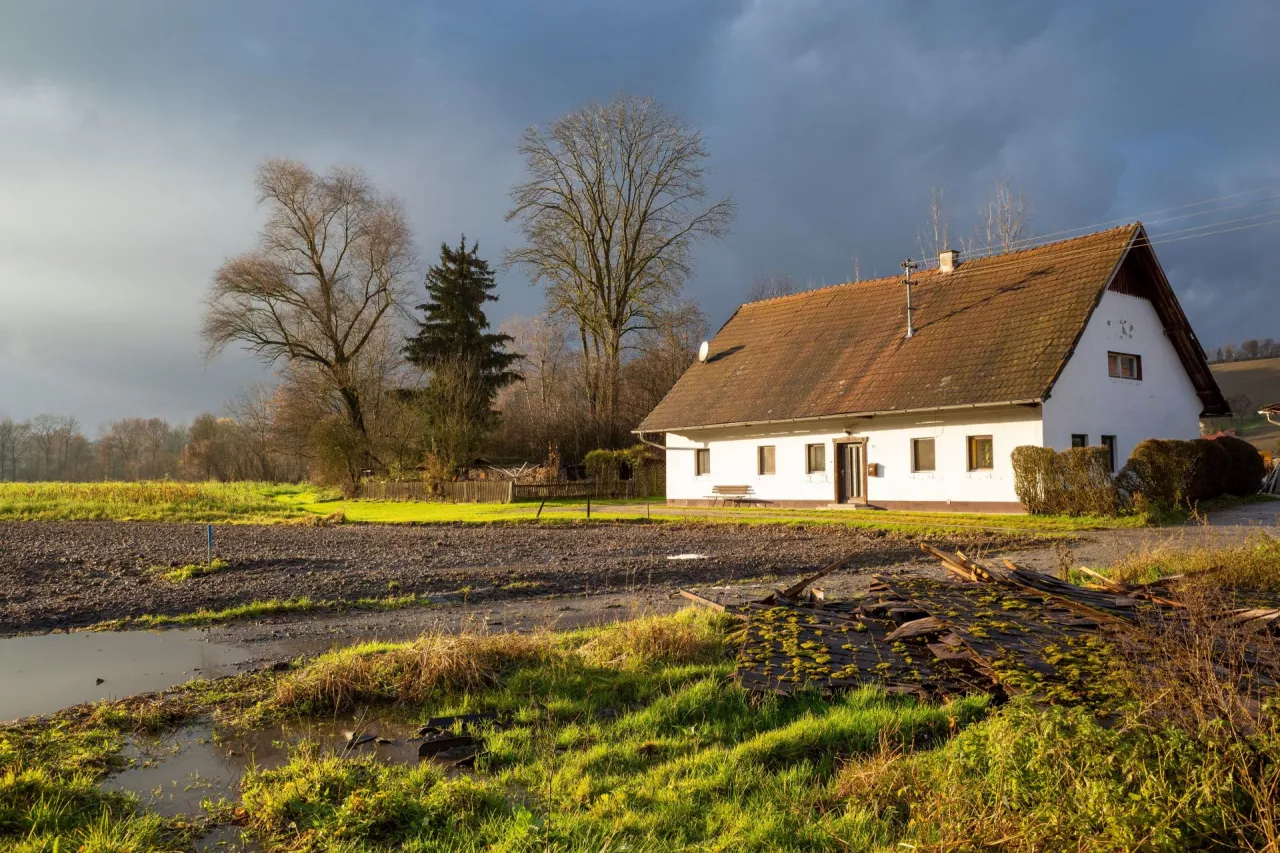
[412, 672]
[1254, 565]
[687, 637]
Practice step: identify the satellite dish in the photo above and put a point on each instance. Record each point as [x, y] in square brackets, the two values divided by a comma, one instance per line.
[704, 349]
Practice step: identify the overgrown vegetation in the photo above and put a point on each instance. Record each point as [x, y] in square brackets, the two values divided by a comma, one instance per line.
[633, 737]
[1072, 482]
[1167, 475]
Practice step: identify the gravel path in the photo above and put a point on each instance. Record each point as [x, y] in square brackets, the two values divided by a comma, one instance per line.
[70, 574]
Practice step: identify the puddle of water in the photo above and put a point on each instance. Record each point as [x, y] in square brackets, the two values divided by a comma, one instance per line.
[49, 672]
[687, 557]
[175, 773]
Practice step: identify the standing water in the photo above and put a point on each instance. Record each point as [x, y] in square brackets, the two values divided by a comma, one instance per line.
[43, 674]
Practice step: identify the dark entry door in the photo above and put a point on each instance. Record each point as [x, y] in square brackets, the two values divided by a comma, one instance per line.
[849, 477]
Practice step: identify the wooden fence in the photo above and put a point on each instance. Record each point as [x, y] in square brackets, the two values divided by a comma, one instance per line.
[579, 489]
[466, 491]
[507, 491]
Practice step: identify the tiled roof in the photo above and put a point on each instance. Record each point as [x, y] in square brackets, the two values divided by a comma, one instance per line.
[995, 330]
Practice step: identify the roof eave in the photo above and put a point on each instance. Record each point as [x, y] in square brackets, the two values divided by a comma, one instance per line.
[955, 408]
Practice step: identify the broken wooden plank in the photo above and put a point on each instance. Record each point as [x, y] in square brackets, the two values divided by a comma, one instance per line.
[926, 626]
[794, 590]
[699, 600]
[1100, 578]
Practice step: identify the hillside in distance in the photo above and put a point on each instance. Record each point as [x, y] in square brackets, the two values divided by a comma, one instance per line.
[1248, 386]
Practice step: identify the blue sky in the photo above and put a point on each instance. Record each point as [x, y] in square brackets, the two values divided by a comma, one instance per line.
[129, 132]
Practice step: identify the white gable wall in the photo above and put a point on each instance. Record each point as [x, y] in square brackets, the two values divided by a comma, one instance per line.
[1086, 400]
[734, 459]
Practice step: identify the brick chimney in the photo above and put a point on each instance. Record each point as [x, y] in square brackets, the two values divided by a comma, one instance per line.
[948, 260]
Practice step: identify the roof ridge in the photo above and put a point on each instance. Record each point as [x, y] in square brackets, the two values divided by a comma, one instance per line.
[1016, 254]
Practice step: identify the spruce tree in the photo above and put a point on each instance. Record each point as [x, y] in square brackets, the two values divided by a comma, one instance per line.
[455, 327]
[468, 363]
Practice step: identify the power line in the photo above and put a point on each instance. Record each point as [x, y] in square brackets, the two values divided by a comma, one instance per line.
[1123, 220]
[1041, 239]
[1025, 256]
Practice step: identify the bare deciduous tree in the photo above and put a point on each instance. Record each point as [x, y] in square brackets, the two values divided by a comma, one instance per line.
[768, 285]
[1006, 218]
[935, 235]
[331, 267]
[612, 206]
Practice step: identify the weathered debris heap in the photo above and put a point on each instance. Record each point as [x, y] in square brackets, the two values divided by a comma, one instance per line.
[1002, 630]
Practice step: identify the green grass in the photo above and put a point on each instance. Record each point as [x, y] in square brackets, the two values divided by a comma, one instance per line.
[157, 500]
[273, 503]
[258, 610]
[189, 571]
[633, 737]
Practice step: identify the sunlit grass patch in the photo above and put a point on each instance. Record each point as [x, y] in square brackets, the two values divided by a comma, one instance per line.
[155, 500]
[1253, 565]
[185, 573]
[259, 610]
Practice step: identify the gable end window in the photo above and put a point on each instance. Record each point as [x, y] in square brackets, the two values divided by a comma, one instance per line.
[765, 456]
[815, 458]
[922, 455]
[1079, 439]
[702, 461]
[981, 453]
[1123, 365]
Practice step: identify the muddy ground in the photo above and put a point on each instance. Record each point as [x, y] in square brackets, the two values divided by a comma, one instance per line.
[60, 575]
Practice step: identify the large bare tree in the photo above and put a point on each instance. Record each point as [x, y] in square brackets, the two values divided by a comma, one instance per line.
[612, 205]
[332, 265]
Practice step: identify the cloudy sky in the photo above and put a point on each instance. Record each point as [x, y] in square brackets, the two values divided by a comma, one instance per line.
[129, 132]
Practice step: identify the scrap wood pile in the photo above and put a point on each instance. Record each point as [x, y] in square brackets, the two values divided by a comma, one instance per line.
[1002, 630]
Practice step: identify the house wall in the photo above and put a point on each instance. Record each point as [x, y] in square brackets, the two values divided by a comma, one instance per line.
[950, 486]
[1086, 400]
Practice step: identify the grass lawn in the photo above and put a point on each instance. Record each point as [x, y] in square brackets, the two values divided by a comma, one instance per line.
[634, 737]
[273, 503]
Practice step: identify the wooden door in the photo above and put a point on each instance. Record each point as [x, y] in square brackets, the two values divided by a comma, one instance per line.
[851, 472]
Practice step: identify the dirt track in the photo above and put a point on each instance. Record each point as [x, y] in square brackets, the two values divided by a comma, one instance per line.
[69, 574]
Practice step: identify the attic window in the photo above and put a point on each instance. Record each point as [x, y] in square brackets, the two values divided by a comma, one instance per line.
[1122, 365]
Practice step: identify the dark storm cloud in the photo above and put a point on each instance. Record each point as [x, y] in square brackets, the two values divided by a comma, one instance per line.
[129, 132]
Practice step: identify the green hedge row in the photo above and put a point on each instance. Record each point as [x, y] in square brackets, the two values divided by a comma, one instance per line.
[1170, 474]
[1074, 482]
[1162, 474]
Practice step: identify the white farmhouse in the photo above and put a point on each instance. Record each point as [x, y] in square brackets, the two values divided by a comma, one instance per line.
[835, 397]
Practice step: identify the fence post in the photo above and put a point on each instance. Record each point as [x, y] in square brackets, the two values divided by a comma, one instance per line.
[209, 544]
[588, 506]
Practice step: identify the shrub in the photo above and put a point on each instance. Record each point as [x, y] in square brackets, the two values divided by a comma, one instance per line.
[1171, 474]
[1074, 482]
[1161, 471]
[1245, 466]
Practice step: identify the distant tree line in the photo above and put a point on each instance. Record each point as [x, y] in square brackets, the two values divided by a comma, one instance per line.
[55, 447]
[1246, 350]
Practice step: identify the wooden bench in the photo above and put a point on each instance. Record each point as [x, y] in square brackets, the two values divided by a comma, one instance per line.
[737, 494]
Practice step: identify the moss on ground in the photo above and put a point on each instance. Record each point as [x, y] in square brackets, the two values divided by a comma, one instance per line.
[634, 737]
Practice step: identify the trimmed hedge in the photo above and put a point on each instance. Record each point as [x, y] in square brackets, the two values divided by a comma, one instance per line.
[1074, 482]
[1169, 474]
